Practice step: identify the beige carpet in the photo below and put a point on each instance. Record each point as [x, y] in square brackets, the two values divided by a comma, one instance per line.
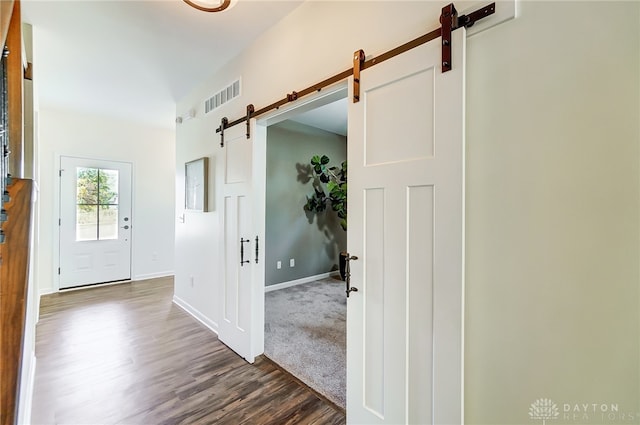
[305, 333]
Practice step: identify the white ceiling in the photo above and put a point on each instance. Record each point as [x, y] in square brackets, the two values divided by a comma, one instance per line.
[136, 58]
[331, 117]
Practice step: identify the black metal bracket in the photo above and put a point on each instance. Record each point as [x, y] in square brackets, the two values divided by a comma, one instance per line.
[358, 61]
[470, 19]
[250, 110]
[449, 21]
[223, 124]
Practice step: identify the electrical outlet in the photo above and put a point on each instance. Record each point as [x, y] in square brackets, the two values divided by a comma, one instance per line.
[154, 256]
[292, 262]
[279, 265]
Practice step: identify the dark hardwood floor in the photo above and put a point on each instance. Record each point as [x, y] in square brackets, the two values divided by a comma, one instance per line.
[125, 354]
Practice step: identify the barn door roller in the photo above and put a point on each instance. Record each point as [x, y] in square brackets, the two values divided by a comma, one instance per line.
[250, 110]
[224, 123]
[451, 21]
[358, 61]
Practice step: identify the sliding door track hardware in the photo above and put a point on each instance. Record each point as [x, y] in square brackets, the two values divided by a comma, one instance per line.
[453, 22]
[224, 123]
[250, 110]
[358, 61]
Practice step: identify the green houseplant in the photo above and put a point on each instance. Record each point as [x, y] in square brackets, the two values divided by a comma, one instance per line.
[335, 180]
[329, 189]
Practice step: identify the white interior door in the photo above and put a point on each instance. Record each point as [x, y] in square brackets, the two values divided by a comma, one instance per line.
[95, 221]
[406, 191]
[237, 243]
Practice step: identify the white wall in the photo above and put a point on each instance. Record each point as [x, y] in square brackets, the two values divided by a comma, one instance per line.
[552, 212]
[152, 152]
[553, 182]
[196, 239]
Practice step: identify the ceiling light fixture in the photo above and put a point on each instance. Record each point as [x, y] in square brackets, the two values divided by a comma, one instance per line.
[209, 5]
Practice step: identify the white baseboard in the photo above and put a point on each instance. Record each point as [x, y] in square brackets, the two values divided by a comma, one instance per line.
[196, 314]
[153, 275]
[26, 394]
[47, 291]
[299, 281]
[37, 312]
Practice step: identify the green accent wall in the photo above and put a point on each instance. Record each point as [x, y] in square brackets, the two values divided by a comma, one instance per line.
[313, 240]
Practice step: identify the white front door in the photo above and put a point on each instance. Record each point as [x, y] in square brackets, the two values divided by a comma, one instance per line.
[95, 221]
[238, 249]
[406, 191]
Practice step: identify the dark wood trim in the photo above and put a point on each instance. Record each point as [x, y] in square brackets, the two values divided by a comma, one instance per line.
[14, 275]
[6, 9]
[15, 73]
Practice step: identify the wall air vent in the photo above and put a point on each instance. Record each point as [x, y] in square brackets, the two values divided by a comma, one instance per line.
[223, 96]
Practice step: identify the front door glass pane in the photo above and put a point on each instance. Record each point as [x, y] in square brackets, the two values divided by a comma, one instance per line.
[86, 223]
[108, 218]
[96, 204]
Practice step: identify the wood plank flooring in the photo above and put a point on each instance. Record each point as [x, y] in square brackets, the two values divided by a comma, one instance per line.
[125, 354]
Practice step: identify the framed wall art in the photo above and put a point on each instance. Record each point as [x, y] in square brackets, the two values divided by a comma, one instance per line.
[196, 185]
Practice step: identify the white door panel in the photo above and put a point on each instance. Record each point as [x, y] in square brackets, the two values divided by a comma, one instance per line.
[95, 221]
[404, 325]
[235, 328]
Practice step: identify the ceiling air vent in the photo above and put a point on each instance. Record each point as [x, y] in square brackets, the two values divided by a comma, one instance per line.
[223, 96]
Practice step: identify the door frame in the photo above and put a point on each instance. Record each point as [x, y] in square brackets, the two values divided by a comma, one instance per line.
[55, 216]
[259, 132]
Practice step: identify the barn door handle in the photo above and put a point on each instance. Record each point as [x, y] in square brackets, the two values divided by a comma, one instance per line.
[242, 260]
[347, 274]
[257, 249]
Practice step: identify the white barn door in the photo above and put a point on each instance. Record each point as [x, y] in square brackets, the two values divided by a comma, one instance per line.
[406, 193]
[237, 243]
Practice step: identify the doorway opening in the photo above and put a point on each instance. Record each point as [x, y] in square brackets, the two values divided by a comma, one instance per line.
[305, 300]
